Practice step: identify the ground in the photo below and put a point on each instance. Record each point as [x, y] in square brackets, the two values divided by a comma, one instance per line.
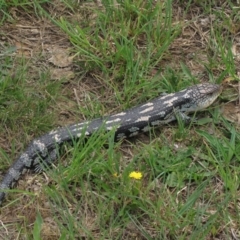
[63, 63]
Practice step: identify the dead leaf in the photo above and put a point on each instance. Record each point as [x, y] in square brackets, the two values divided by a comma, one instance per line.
[23, 49]
[231, 112]
[62, 73]
[60, 57]
[236, 51]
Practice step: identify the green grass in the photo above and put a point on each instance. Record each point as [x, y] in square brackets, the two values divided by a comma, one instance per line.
[124, 54]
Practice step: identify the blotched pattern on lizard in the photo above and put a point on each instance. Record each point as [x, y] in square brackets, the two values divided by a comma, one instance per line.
[164, 109]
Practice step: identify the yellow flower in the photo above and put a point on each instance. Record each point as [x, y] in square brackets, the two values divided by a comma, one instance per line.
[135, 175]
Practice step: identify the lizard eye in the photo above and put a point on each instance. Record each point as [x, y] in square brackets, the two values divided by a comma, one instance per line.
[210, 94]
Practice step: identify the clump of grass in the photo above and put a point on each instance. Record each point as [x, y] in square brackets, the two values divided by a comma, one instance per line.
[26, 5]
[24, 103]
[127, 41]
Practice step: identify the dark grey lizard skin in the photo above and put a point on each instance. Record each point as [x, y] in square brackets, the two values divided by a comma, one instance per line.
[129, 123]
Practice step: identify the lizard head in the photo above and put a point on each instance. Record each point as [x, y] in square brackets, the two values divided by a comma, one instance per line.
[203, 95]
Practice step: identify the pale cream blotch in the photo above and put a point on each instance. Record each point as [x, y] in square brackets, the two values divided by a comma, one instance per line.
[149, 104]
[133, 134]
[156, 123]
[121, 136]
[133, 129]
[57, 138]
[146, 128]
[26, 160]
[40, 146]
[119, 114]
[113, 121]
[147, 110]
[143, 119]
[166, 96]
[170, 102]
[14, 173]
